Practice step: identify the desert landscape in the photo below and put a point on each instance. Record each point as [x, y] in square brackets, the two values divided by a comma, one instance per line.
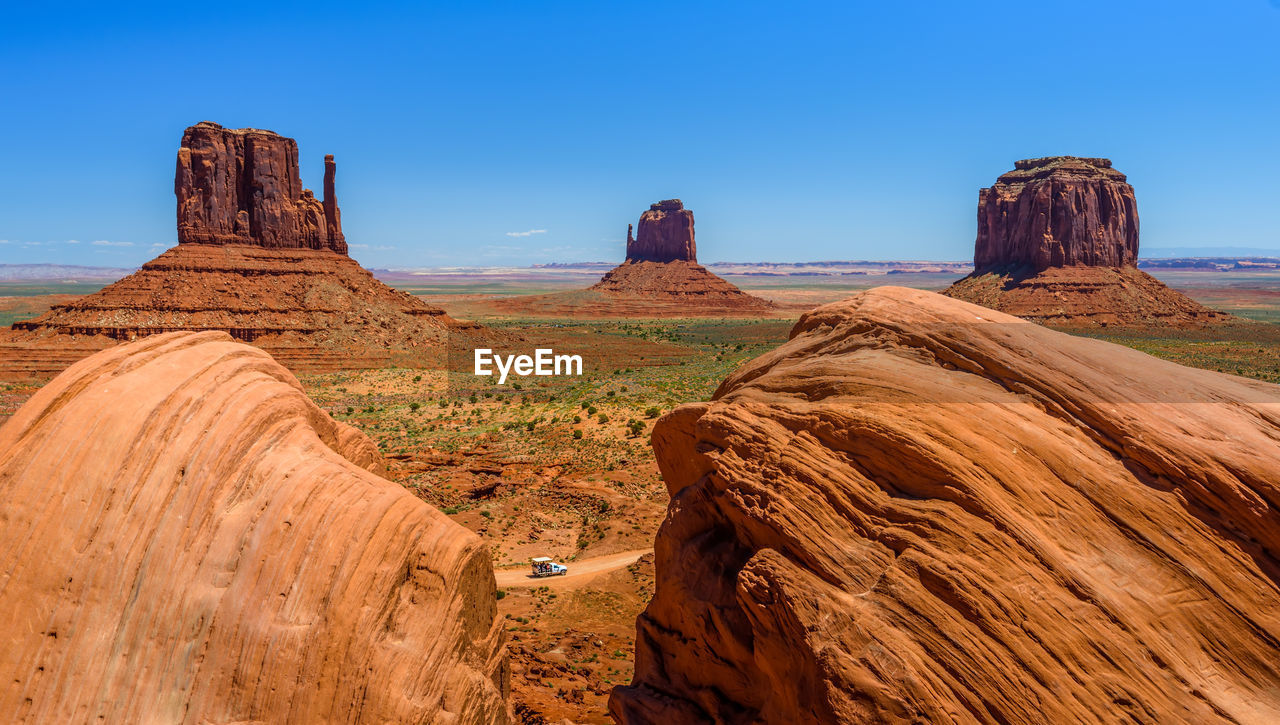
[874, 453]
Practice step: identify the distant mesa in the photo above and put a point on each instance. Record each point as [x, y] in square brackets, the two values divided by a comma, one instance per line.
[662, 265]
[258, 257]
[1058, 243]
[918, 510]
[188, 538]
[665, 235]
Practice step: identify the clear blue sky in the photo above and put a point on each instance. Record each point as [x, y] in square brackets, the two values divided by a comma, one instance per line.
[795, 131]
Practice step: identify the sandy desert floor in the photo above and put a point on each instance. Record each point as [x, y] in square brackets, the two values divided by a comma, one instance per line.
[562, 467]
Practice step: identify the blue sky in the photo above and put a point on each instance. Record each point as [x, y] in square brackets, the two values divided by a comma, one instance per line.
[795, 131]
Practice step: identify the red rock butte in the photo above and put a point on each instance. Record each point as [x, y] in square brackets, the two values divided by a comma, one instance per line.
[1058, 243]
[259, 257]
[662, 267]
[242, 186]
[919, 510]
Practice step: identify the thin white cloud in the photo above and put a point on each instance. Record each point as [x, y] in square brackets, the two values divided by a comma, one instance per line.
[529, 233]
[379, 248]
[73, 241]
[105, 243]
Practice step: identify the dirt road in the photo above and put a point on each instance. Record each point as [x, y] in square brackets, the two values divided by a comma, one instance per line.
[580, 572]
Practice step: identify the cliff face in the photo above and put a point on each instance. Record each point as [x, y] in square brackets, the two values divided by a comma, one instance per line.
[242, 186]
[665, 234]
[1057, 211]
[188, 538]
[921, 510]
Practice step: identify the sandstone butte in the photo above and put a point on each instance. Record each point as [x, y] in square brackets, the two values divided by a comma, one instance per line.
[662, 266]
[920, 510]
[187, 538]
[1058, 243]
[258, 257]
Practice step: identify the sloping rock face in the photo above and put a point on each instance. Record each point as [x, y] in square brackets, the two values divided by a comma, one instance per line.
[920, 510]
[254, 294]
[1055, 212]
[1058, 244]
[242, 186]
[188, 538]
[665, 234]
[687, 282]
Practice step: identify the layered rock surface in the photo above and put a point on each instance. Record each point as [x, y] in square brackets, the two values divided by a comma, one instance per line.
[255, 294]
[187, 538]
[242, 186]
[1058, 243]
[920, 510]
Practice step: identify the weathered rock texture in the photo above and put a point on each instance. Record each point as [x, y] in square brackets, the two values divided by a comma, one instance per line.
[665, 234]
[259, 258]
[1055, 212]
[1058, 243]
[920, 510]
[187, 538]
[242, 186]
[662, 268]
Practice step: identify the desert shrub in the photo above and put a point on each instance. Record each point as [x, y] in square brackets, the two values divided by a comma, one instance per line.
[577, 435]
[414, 406]
[602, 418]
[652, 412]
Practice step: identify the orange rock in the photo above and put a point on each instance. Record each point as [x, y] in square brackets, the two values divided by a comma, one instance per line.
[187, 538]
[920, 510]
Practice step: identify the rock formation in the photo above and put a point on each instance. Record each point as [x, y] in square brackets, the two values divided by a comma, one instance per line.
[1058, 243]
[665, 234]
[921, 510]
[188, 538]
[1056, 212]
[242, 186]
[258, 257]
[662, 268]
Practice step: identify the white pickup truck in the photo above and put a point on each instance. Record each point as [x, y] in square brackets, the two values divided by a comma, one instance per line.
[544, 566]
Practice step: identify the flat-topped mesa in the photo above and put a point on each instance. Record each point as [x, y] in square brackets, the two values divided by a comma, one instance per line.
[665, 234]
[242, 186]
[1057, 211]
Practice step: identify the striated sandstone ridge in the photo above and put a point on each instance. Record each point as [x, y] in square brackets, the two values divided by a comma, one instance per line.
[1055, 212]
[665, 234]
[920, 510]
[242, 186]
[1058, 243]
[188, 538]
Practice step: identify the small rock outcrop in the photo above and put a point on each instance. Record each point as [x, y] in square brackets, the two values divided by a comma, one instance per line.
[1056, 212]
[920, 510]
[1058, 244]
[665, 234]
[188, 538]
[242, 186]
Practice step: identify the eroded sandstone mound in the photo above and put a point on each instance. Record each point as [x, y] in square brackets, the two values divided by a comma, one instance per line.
[1058, 243]
[242, 186]
[920, 510]
[187, 538]
[259, 258]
